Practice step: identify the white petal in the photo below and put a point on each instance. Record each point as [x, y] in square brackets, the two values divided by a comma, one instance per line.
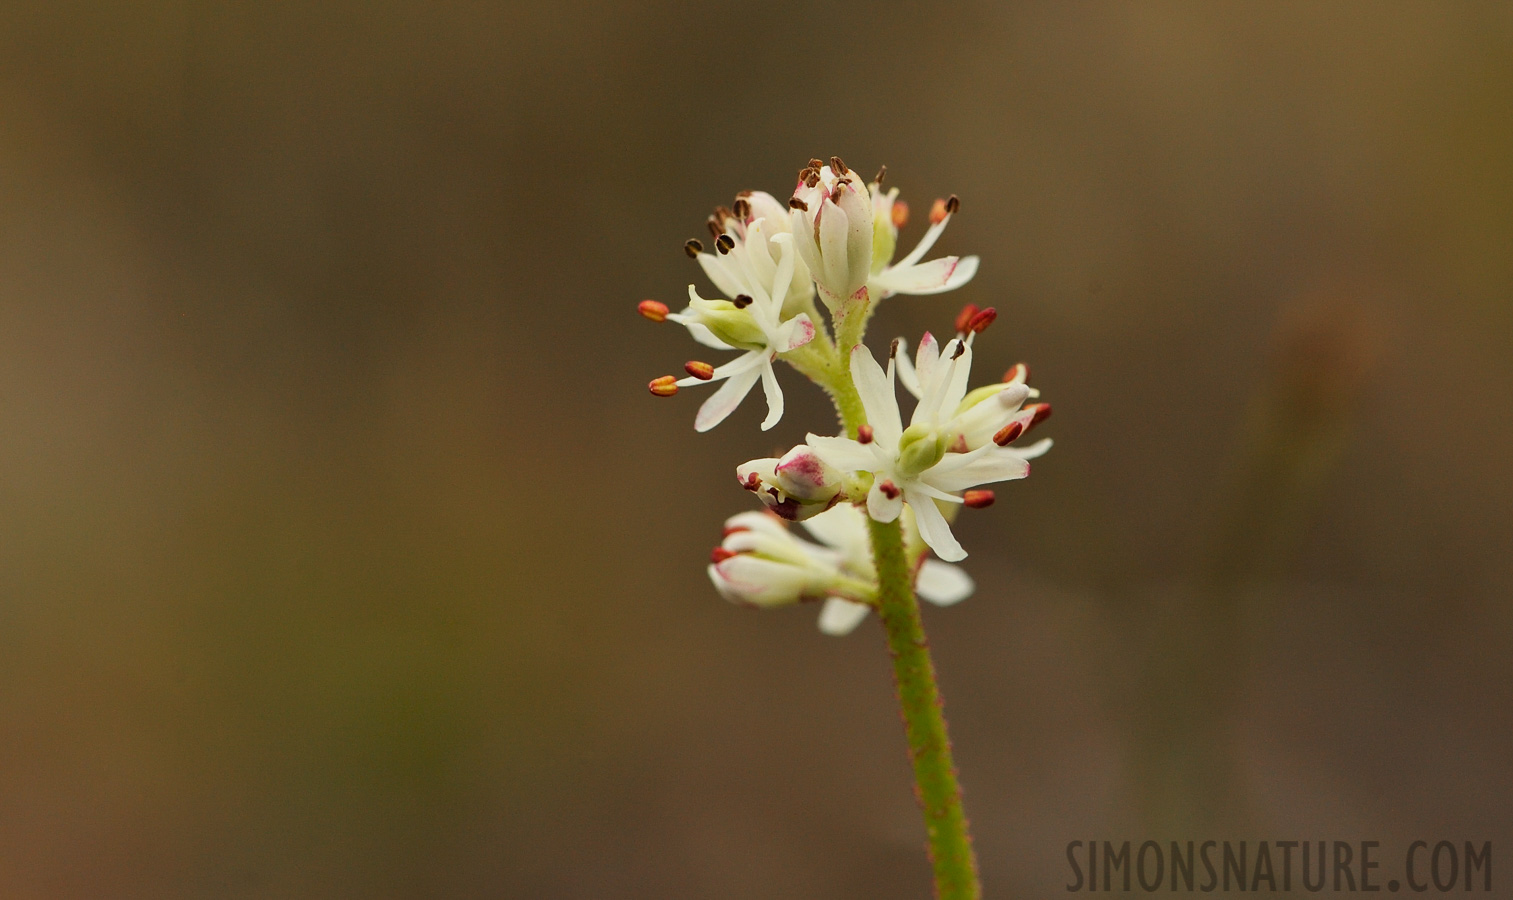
[906, 373]
[942, 583]
[794, 333]
[840, 617]
[748, 579]
[994, 465]
[1036, 449]
[842, 526]
[745, 362]
[933, 528]
[757, 521]
[774, 395]
[832, 240]
[842, 453]
[880, 506]
[727, 398]
[878, 397]
[720, 274]
[924, 245]
[934, 277]
[784, 275]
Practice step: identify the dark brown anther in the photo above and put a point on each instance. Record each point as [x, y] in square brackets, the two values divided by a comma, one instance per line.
[806, 174]
[961, 347]
[742, 208]
[890, 490]
[700, 370]
[720, 554]
[813, 181]
[796, 203]
[816, 164]
[979, 499]
[1008, 433]
[724, 243]
[894, 347]
[881, 174]
[837, 166]
[952, 205]
[964, 318]
[741, 301]
[980, 322]
[864, 434]
[714, 228]
[693, 248]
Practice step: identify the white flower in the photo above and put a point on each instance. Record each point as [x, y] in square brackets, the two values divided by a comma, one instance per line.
[751, 322]
[744, 257]
[795, 487]
[761, 563]
[846, 233]
[951, 443]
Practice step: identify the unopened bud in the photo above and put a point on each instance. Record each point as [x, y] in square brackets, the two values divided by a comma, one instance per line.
[982, 320]
[964, 318]
[651, 309]
[978, 499]
[700, 370]
[938, 212]
[900, 214]
[864, 434]
[1008, 433]
[665, 386]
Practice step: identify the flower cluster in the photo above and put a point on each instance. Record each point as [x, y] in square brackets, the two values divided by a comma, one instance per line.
[834, 241]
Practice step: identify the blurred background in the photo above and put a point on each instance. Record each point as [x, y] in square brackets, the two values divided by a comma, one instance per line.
[343, 552]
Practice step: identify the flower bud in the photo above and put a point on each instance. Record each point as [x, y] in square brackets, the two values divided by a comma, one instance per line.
[795, 487]
[832, 219]
[919, 448]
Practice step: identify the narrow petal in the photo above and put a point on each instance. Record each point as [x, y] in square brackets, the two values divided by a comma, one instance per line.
[842, 453]
[881, 507]
[990, 467]
[842, 527]
[743, 363]
[878, 397]
[794, 333]
[942, 583]
[906, 372]
[783, 243]
[840, 617]
[774, 395]
[933, 528]
[924, 245]
[720, 274]
[1032, 451]
[724, 401]
[832, 240]
[934, 277]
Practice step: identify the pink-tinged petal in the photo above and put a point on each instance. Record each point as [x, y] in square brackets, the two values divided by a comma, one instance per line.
[942, 583]
[856, 203]
[926, 358]
[933, 528]
[882, 507]
[795, 333]
[934, 277]
[724, 401]
[840, 617]
[760, 582]
[842, 453]
[878, 397]
[774, 395]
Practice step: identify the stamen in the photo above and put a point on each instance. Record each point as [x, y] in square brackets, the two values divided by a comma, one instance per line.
[961, 347]
[1008, 433]
[881, 174]
[742, 195]
[742, 208]
[741, 301]
[808, 173]
[864, 434]
[796, 203]
[1017, 372]
[964, 318]
[938, 212]
[693, 248]
[724, 243]
[953, 204]
[1042, 412]
[752, 482]
[816, 164]
[722, 213]
[700, 370]
[720, 554]
[651, 309]
[714, 228]
[982, 320]
[837, 166]
[979, 499]
[665, 386]
[900, 213]
[894, 347]
[890, 490]
[814, 179]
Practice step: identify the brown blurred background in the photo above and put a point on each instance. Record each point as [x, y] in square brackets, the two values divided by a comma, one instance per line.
[344, 554]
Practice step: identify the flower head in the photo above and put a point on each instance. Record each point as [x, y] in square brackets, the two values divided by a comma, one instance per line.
[795, 487]
[949, 447]
[762, 563]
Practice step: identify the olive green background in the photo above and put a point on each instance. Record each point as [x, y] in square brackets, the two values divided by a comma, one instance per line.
[343, 552]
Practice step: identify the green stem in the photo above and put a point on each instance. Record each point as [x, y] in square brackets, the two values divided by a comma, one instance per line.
[924, 722]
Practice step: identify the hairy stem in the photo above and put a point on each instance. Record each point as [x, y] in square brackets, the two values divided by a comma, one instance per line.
[924, 721]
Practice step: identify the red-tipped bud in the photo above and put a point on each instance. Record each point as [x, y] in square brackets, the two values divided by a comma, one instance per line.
[1018, 372]
[700, 370]
[900, 214]
[982, 320]
[979, 499]
[938, 212]
[890, 490]
[665, 386]
[964, 318]
[1042, 411]
[720, 554]
[864, 434]
[651, 309]
[1008, 433]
